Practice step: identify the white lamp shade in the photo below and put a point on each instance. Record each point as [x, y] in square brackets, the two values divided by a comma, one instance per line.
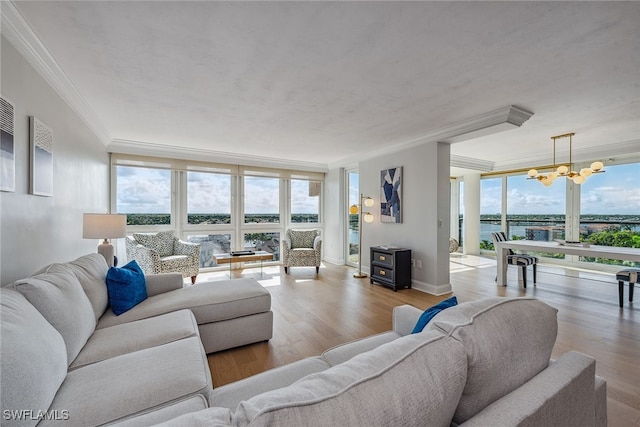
[368, 217]
[104, 226]
[368, 202]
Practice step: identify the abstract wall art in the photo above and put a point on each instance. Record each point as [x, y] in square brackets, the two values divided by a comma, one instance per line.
[7, 146]
[41, 158]
[391, 195]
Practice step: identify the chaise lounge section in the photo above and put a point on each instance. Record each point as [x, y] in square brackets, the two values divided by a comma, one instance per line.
[67, 358]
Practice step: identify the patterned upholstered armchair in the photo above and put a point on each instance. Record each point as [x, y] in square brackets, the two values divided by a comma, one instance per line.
[163, 252]
[301, 248]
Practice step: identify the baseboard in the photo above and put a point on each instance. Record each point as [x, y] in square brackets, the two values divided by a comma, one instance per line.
[431, 289]
[336, 261]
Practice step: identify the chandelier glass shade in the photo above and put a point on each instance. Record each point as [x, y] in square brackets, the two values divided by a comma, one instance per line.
[565, 170]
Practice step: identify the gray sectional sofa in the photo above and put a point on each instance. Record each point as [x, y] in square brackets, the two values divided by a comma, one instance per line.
[484, 363]
[67, 359]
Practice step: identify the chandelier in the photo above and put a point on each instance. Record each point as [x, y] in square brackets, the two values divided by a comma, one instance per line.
[565, 169]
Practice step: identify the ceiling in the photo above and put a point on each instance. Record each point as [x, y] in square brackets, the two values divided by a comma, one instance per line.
[325, 84]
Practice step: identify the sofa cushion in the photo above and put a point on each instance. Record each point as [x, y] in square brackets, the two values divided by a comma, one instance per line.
[91, 271]
[507, 340]
[343, 352]
[34, 358]
[209, 302]
[137, 335]
[230, 395]
[406, 382]
[302, 238]
[431, 312]
[191, 405]
[161, 242]
[126, 287]
[210, 417]
[59, 297]
[134, 383]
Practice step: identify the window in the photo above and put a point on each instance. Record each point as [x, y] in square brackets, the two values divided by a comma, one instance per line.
[604, 210]
[205, 202]
[610, 210]
[210, 245]
[144, 194]
[268, 242]
[534, 211]
[490, 210]
[353, 232]
[208, 198]
[305, 201]
[261, 200]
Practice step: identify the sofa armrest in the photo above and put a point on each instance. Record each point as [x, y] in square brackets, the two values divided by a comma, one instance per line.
[405, 318]
[601, 402]
[286, 243]
[317, 243]
[563, 394]
[180, 247]
[163, 282]
[146, 258]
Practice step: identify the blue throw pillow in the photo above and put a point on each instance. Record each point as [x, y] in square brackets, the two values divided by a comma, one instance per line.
[430, 312]
[126, 287]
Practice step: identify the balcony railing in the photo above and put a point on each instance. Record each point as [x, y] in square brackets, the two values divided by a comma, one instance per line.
[606, 232]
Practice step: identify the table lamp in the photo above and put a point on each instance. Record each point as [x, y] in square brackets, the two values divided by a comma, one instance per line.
[104, 226]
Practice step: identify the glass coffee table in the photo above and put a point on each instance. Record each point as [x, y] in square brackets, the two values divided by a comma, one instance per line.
[255, 256]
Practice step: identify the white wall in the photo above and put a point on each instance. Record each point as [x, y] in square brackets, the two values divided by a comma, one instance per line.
[426, 205]
[333, 244]
[471, 223]
[39, 230]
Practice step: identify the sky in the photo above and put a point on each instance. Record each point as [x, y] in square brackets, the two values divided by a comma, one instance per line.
[617, 191]
[143, 190]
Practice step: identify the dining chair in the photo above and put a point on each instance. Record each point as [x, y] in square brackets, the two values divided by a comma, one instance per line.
[630, 275]
[519, 260]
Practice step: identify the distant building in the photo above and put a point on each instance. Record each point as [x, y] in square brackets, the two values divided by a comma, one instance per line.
[545, 233]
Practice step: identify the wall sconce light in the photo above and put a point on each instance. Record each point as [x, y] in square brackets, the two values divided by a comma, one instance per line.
[368, 217]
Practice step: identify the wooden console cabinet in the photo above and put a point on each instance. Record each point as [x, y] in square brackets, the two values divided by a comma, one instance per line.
[391, 267]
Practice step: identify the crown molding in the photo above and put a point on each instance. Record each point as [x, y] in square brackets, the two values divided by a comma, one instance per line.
[125, 146]
[492, 122]
[18, 32]
[470, 163]
[608, 154]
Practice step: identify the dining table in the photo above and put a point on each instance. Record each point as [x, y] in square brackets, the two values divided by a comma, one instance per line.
[555, 247]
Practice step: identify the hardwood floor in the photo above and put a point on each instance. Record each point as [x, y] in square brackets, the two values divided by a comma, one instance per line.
[313, 313]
